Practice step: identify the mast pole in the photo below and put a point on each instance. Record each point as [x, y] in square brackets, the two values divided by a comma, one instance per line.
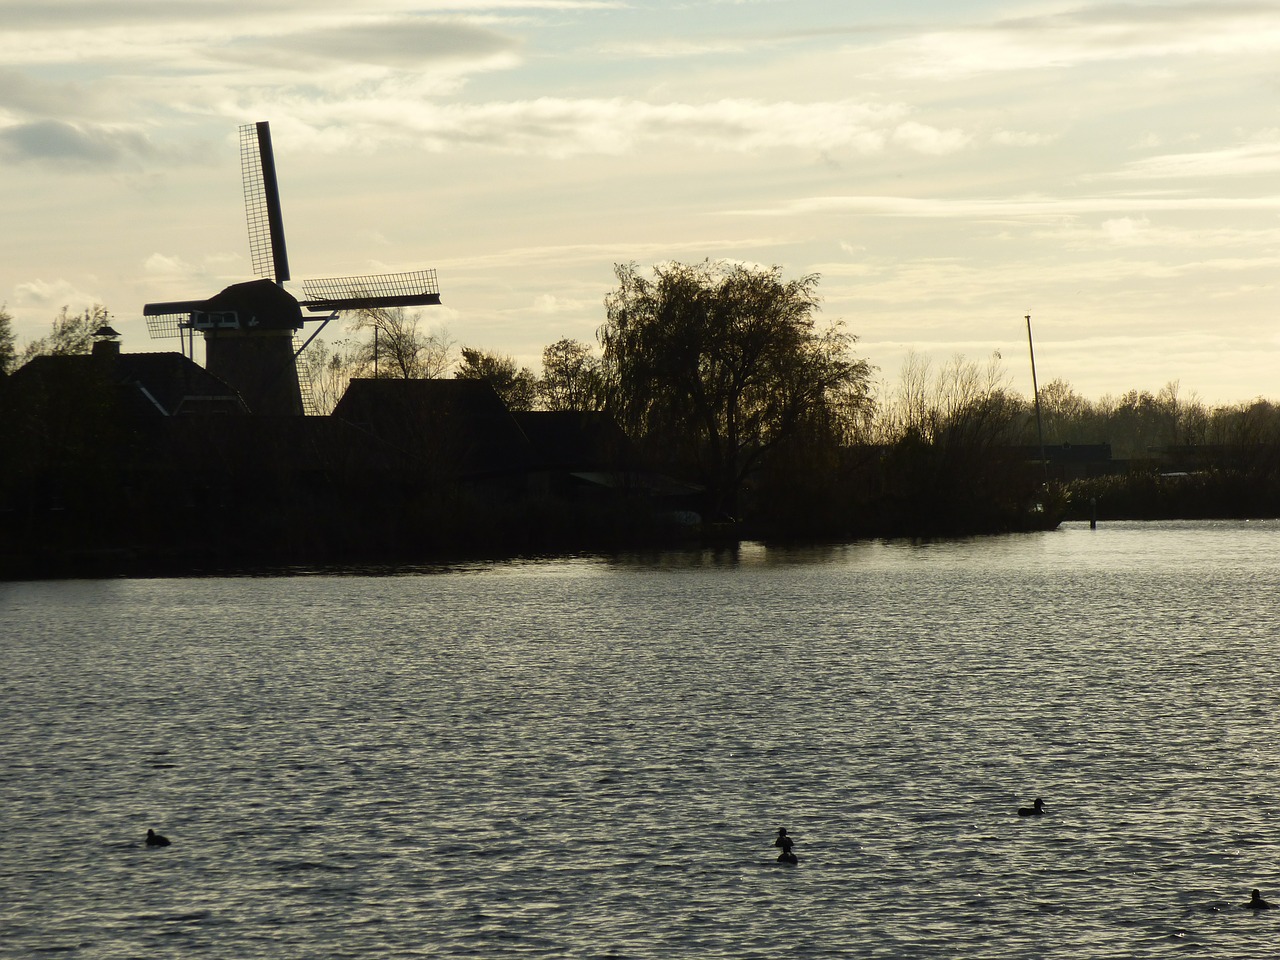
[1035, 390]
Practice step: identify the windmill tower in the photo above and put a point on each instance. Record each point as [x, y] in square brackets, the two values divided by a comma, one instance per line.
[249, 328]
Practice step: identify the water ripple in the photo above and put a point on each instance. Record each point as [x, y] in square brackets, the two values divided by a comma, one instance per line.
[589, 758]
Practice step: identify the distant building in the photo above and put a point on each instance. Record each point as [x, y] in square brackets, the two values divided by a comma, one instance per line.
[1073, 461]
[116, 458]
[139, 384]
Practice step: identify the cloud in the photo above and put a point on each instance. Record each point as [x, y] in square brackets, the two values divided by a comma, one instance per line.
[923, 138]
[1020, 138]
[71, 144]
[596, 254]
[24, 95]
[1091, 34]
[403, 43]
[1249, 159]
[1138, 231]
[89, 14]
[43, 293]
[564, 127]
[159, 265]
[1126, 230]
[1010, 208]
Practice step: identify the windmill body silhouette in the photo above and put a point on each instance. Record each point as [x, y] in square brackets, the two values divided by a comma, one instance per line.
[249, 328]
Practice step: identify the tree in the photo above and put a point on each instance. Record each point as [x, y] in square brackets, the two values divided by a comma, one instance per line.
[398, 348]
[717, 365]
[72, 334]
[8, 348]
[571, 377]
[327, 371]
[515, 385]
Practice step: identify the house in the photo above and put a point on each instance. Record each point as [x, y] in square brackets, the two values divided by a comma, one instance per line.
[450, 430]
[148, 461]
[135, 385]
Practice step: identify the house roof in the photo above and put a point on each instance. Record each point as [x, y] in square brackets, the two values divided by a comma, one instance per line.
[147, 384]
[460, 422]
[575, 440]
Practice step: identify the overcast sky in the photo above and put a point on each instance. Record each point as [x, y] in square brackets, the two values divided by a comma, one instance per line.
[946, 166]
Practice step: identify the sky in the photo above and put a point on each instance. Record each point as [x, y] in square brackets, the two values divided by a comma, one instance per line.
[947, 168]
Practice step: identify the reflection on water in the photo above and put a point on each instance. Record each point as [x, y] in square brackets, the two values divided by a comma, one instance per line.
[591, 757]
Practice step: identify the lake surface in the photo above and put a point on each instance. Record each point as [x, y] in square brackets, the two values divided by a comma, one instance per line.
[591, 757]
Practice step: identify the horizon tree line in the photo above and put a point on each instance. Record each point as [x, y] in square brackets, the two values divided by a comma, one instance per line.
[720, 313]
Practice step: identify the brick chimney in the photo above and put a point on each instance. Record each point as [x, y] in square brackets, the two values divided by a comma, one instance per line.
[106, 348]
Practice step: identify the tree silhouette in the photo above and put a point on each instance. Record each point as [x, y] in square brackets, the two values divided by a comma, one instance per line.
[8, 348]
[515, 385]
[714, 365]
[572, 378]
[71, 334]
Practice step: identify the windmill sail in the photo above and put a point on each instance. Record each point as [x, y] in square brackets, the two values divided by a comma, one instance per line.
[262, 203]
[415, 289]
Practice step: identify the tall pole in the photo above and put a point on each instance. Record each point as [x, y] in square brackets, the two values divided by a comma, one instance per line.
[1035, 390]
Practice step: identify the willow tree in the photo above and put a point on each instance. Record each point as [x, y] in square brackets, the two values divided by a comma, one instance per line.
[714, 365]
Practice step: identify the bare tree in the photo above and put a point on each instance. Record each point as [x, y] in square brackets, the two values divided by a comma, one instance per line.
[907, 407]
[328, 371]
[398, 347]
[8, 348]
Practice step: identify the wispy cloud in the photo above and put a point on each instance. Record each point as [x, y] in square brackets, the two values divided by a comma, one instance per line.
[1091, 33]
[401, 42]
[561, 127]
[24, 95]
[1247, 159]
[69, 15]
[621, 252]
[1129, 232]
[1022, 138]
[71, 144]
[51, 294]
[922, 138]
[997, 208]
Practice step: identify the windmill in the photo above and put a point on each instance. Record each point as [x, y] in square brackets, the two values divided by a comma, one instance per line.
[249, 328]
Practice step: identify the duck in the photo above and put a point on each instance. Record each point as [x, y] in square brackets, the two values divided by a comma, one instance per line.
[786, 843]
[1035, 810]
[155, 840]
[1256, 902]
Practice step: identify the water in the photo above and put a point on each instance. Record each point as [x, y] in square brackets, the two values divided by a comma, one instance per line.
[590, 758]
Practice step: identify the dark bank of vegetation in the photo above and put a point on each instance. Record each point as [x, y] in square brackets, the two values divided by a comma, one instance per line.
[718, 375]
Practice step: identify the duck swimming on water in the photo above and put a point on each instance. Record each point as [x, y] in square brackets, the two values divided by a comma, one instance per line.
[1035, 810]
[785, 842]
[1256, 902]
[155, 840]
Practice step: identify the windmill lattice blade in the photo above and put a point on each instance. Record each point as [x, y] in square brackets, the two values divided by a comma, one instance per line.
[417, 288]
[167, 326]
[262, 203]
